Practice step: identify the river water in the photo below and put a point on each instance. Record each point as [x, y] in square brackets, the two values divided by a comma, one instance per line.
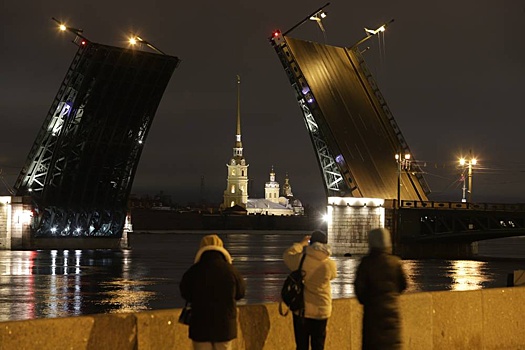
[59, 283]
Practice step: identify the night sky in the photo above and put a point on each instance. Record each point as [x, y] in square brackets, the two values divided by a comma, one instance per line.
[452, 73]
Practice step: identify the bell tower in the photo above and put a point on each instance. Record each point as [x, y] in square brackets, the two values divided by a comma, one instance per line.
[271, 189]
[236, 192]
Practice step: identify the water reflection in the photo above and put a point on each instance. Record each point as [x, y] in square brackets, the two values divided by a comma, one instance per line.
[457, 275]
[57, 283]
[466, 275]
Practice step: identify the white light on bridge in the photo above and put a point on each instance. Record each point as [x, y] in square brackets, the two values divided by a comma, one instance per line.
[356, 202]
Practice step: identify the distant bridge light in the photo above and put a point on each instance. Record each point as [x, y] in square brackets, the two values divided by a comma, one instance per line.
[133, 41]
[62, 27]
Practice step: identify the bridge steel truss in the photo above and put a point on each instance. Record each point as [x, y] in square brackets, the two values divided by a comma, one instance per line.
[450, 222]
[335, 184]
[80, 169]
[351, 128]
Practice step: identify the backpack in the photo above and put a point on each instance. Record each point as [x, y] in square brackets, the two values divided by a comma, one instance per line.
[292, 291]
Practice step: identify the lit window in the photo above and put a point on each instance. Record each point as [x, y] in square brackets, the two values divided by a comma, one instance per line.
[232, 204]
[233, 189]
[233, 171]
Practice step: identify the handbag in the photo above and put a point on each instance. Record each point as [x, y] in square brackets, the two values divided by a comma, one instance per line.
[185, 314]
[292, 292]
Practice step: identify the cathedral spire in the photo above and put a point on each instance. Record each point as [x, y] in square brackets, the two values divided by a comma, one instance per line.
[236, 192]
[237, 150]
[239, 106]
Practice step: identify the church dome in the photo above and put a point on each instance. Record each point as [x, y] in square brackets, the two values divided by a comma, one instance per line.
[295, 202]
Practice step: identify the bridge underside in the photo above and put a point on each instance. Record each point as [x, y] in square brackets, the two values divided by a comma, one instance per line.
[80, 170]
[349, 121]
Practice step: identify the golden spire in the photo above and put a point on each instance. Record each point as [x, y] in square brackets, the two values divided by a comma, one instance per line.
[238, 105]
[237, 149]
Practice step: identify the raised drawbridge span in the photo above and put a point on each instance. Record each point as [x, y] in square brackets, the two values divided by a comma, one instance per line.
[351, 127]
[356, 139]
[80, 169]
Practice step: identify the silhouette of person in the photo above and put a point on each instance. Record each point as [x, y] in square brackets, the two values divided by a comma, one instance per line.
[310, 325]
[379, 281]
[212, 285]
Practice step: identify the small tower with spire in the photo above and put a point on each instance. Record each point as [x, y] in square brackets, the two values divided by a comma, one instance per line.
[287, 188]
[271, 189]
[236, 192]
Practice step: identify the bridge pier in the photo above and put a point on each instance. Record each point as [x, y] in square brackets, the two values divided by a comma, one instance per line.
[15, 218]
[350, 219]
[15, 230]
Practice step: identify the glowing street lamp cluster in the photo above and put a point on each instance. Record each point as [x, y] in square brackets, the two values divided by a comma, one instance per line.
[133, 40]
[403, 163]
[468, 163]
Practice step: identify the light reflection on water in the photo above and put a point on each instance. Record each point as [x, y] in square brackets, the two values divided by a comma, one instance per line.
[458, 275]
[58, 283]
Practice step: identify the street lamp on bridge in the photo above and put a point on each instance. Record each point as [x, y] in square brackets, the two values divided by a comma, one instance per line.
[403, 164]
[468, 163]
[317, 16]
[136, 40]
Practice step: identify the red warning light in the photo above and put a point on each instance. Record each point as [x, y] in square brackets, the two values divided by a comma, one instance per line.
[276, 33]
[83, 42]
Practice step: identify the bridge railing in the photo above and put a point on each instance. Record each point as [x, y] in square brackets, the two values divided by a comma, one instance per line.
[508, 207]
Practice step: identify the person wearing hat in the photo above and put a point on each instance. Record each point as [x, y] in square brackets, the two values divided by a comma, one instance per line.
[212, 285]
[379, 281]
[319, 270]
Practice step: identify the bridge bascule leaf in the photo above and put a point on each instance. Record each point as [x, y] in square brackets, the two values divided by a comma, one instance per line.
[351, 127]
[80, 169]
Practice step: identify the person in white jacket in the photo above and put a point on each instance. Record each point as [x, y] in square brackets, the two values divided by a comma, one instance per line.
[319, 270]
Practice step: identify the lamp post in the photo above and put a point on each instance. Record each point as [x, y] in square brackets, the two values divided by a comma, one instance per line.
[464, 199]
[317, 16]
[468, 163]
[403, 163]
[371, 32]
[136, 40]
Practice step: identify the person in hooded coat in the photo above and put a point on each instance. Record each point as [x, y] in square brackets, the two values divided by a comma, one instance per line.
[379, 281]
[212, 285]
[319, 270]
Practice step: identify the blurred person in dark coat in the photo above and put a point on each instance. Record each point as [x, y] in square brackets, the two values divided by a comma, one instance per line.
[379, 281]
[212, 285]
